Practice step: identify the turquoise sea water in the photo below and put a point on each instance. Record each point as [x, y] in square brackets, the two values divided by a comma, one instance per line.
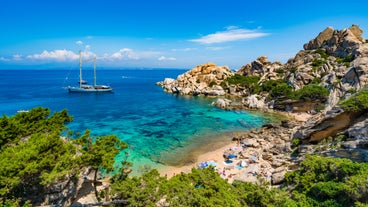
[160, 128]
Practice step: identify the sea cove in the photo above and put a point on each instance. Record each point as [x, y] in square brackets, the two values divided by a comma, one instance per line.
[160, 128]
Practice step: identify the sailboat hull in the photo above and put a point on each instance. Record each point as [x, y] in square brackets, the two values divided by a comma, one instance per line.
[88, 89]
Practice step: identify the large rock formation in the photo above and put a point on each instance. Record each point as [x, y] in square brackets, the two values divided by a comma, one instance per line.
[204, 79]
[338, 43]
[71, 190]
[263, 68]
[268, 151]
[329, 57]
[344, 73]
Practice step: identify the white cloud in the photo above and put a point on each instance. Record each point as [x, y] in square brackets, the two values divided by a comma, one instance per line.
[124, 54]
[185, 49]
[56, 55]
[87, 54]
[232, 33]
[162, 58]
[4, 59]
[79, 42]
[17, 57]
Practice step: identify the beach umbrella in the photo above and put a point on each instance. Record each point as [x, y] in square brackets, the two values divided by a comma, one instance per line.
[230, 156]
[243, 163]
[203, 165]
[212, 163]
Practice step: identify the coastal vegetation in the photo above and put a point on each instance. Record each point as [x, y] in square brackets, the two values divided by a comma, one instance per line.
[278, 88]
[358, 102]
[31, 162]
[34, 155]
[319, 181]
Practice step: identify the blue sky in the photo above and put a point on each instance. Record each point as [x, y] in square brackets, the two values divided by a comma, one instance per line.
[164, 33]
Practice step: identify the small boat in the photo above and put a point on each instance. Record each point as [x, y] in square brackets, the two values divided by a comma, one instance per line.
[83, 87]
[22, 111]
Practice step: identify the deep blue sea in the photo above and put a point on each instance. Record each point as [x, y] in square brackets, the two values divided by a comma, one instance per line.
[160, 128]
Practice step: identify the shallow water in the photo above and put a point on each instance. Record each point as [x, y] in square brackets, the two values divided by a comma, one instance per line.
[160, 128]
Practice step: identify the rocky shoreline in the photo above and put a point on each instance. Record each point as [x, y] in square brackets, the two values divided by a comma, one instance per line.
[336, 60]
[263, 153]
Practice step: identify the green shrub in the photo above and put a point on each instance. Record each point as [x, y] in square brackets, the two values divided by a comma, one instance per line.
[352, 91]
[319, 107]
[293, 70]
[312, 92]
[296, 142]
[250, 82]
[318, 62]
[358, 102]
[242, 80]
[322, 53]
[281, 90]
[325, 181]
[346, 60]
[316, 81]
[270, 84]
[212, 83]
[280, 71]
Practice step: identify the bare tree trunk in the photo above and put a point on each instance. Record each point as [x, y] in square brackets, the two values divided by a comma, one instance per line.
[107, 193]
[95, 184]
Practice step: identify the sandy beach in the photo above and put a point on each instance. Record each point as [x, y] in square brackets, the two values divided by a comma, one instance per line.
[216, 155]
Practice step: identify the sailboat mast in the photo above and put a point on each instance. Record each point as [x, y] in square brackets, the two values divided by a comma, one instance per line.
[80, 69]
[94, 71]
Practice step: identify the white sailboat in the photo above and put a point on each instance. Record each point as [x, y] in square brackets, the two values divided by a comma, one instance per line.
[83, 87]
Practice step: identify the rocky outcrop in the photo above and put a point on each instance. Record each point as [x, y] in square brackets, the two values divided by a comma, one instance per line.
[330, 53]
[255, 102]
[322, 38]
[204, 79]
[222, 103]
[263, 68]
[267, 150]
[322, 126]
[338, 43]
[357, 76]
[67, 191]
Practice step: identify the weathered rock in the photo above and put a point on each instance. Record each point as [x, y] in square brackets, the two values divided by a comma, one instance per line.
[253, 143]
[255, 102]
[65, 192]
[340, 43]
[277, 163]
[359, 131]
[278, 178]
[320, 39]
[261, 67]
[246, 177]
[204, 79]
[357, 76]
[222, 103]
